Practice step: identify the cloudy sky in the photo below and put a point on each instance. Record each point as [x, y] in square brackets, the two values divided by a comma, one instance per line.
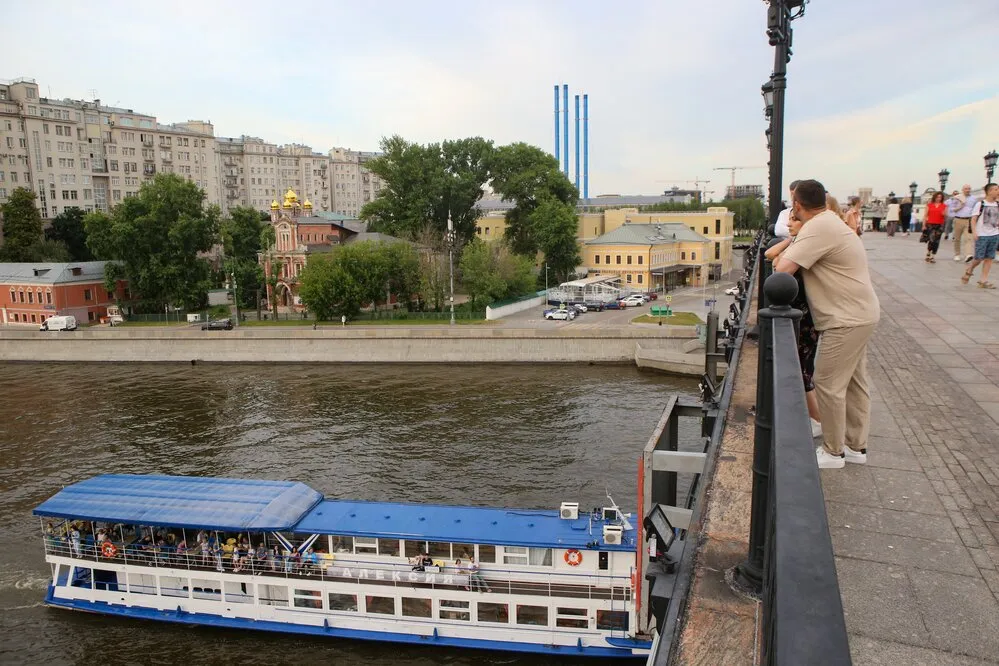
[881, 92]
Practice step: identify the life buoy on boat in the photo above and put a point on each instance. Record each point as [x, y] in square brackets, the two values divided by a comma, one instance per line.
[108, 549]
[573, 557]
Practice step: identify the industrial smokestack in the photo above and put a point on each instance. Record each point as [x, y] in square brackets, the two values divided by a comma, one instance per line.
[565, 129]
[586, 147]
[577, 143]
[558, 154]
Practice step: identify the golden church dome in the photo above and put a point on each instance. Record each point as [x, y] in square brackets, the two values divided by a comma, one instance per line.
[274, 205]
[307, 204]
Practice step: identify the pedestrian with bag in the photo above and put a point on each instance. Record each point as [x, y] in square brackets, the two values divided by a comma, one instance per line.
[936, 216]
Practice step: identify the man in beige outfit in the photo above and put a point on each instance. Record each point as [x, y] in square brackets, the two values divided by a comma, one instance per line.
[845, 310]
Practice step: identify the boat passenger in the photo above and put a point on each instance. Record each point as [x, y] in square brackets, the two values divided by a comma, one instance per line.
[181, 550]
[310, 562]
[203, 547]
[426, 561]
[237, 560]
[74, 541]
[475, 578]
[460, 569]
[217, 552]
[416, 562]
[263, 555]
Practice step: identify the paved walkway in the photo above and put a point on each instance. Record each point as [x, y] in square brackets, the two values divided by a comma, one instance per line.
[916, 530]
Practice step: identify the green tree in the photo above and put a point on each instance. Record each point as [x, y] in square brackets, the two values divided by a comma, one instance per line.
[68, 228]
[491, 271]
[157, 237]
[426, 183]
[403, 263]
[554, 224]
[328, 290]
[241, 233]
[22, 226]
[434, 269]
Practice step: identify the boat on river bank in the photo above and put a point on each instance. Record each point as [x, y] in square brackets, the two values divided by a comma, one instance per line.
[279, 556]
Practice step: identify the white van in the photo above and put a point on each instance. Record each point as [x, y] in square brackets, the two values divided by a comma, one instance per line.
[59, 323]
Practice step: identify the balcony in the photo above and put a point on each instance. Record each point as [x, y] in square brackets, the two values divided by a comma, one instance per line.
[99, 166]
[149, 170]
[148, 143]
[166, 158]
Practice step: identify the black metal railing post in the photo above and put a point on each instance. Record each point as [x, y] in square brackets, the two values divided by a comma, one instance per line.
[750, 572]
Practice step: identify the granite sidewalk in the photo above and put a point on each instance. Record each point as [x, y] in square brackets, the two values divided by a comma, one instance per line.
[916, 530]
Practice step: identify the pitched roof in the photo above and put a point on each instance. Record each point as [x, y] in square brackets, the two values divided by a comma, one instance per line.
[663, 233]
[374, 236]
[46, 272]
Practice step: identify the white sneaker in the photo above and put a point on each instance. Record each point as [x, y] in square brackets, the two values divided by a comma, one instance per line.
[957, 257]
[816, 428]
[858, 457]
[827, 460]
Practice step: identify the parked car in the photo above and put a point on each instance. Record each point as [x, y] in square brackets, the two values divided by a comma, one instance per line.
[566, 314]
[580, 307]
[732, 291]
[217, 325]
[633, 300]
[614, 305]
[59, 323]
[652, 296]
[595, 305]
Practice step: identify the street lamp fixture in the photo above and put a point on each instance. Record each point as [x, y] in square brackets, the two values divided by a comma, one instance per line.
[768, 133]
[891, 195]
[990, 165]
[912, 190]
[768, 98]
[943, 175]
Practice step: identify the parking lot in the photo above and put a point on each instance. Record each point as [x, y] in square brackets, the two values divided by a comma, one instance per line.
[689, 299]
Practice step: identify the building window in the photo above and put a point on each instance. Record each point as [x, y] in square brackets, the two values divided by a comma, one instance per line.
[629, 259]
[87, 294]
[618, 259]
[640, 258]
[639, 278]
[90, 316]
[705, 231]
[683, 256]
[33, 319]
[48, 297]
[20, 295]
[717, 250]
[597, 258]
[718, 227]
[628, 278]
[31, 297]
[15, 317]
[693, 256]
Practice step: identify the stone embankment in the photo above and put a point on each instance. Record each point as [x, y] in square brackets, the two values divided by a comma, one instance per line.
[350, 345]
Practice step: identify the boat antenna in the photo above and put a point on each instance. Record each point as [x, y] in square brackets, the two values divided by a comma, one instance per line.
[624, 517]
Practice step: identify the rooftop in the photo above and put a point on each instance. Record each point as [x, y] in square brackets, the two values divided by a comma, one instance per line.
[51, 273]
[540, 528]
[663, 233]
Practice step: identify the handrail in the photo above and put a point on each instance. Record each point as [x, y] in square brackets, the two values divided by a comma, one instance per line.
[802, 618]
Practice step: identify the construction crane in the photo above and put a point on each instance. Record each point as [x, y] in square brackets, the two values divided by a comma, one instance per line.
[696, 181]
[733, 169]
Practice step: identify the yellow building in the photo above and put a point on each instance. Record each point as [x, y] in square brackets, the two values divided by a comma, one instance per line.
[715, 225]
[651, 256]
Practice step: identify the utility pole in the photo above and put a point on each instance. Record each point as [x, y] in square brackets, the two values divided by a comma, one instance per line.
[450, 259]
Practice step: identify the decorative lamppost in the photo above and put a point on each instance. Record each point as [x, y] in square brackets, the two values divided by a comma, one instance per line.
[891, 195]
[912, 191]
[943, 175]
[990, 165]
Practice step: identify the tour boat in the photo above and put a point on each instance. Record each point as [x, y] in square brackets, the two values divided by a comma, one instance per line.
[279, 556]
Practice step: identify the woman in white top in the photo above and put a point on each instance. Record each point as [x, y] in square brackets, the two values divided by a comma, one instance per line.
[892, 216]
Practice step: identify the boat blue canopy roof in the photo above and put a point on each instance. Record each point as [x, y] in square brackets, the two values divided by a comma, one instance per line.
[458, 524]
[184, 501]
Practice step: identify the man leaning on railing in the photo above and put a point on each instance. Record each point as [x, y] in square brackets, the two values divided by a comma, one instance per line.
[845, 310]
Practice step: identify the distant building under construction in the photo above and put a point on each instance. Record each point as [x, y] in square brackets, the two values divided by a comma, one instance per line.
[743, 191]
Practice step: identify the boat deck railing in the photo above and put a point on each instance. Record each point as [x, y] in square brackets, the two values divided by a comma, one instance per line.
[494, 581]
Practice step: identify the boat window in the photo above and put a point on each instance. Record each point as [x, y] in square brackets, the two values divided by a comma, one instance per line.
[541, 557]
[364, 545]
[489, 612]
[416, 607]
[613, 620]
[462, 550]
[454, 610]
[172, 586]
[383, 605]
[414, 548]
[440, 549]
[308, 599]
[105, 579]
[572, 618]
[514, 555]
[235, 591]
[603, 561]
[62, 577]
[146, 584]
[536, 615]
[343, 544]
[273, 595]
[343, 602]
[388, 547]
[487, 554]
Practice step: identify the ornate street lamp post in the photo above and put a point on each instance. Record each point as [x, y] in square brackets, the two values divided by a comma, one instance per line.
[912, 191]
[943, 175]
[990, 165]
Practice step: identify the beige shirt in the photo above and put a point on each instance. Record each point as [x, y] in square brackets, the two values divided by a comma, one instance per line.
[837, 281]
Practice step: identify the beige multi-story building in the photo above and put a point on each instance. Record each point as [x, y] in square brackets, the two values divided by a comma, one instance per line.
[75, 153]
[352, 185]
[255, 173]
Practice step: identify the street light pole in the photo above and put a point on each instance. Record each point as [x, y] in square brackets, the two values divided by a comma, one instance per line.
[235, 297]
[943, 175]
[450, 259]
[546, 280]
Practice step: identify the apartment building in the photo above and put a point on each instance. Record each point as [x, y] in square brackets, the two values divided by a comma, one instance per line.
[352, 185]
[92, 156]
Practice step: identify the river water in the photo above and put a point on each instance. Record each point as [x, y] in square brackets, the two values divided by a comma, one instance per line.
[518, 436]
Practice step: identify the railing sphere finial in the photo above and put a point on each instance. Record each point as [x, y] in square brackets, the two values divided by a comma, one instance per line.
[774, 241]
[772, 230]
[781, 289]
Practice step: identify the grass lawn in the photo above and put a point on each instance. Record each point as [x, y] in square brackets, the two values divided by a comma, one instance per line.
[152, 323]
[368, 322]
[742, 239]
[678, 319]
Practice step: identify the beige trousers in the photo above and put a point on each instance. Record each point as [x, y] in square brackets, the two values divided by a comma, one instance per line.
[962, 227]
[841, 387]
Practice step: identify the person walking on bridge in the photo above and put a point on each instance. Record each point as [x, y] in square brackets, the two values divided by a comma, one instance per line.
[985, 230]
[936, 216]
[845, 310]
[963, 209]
